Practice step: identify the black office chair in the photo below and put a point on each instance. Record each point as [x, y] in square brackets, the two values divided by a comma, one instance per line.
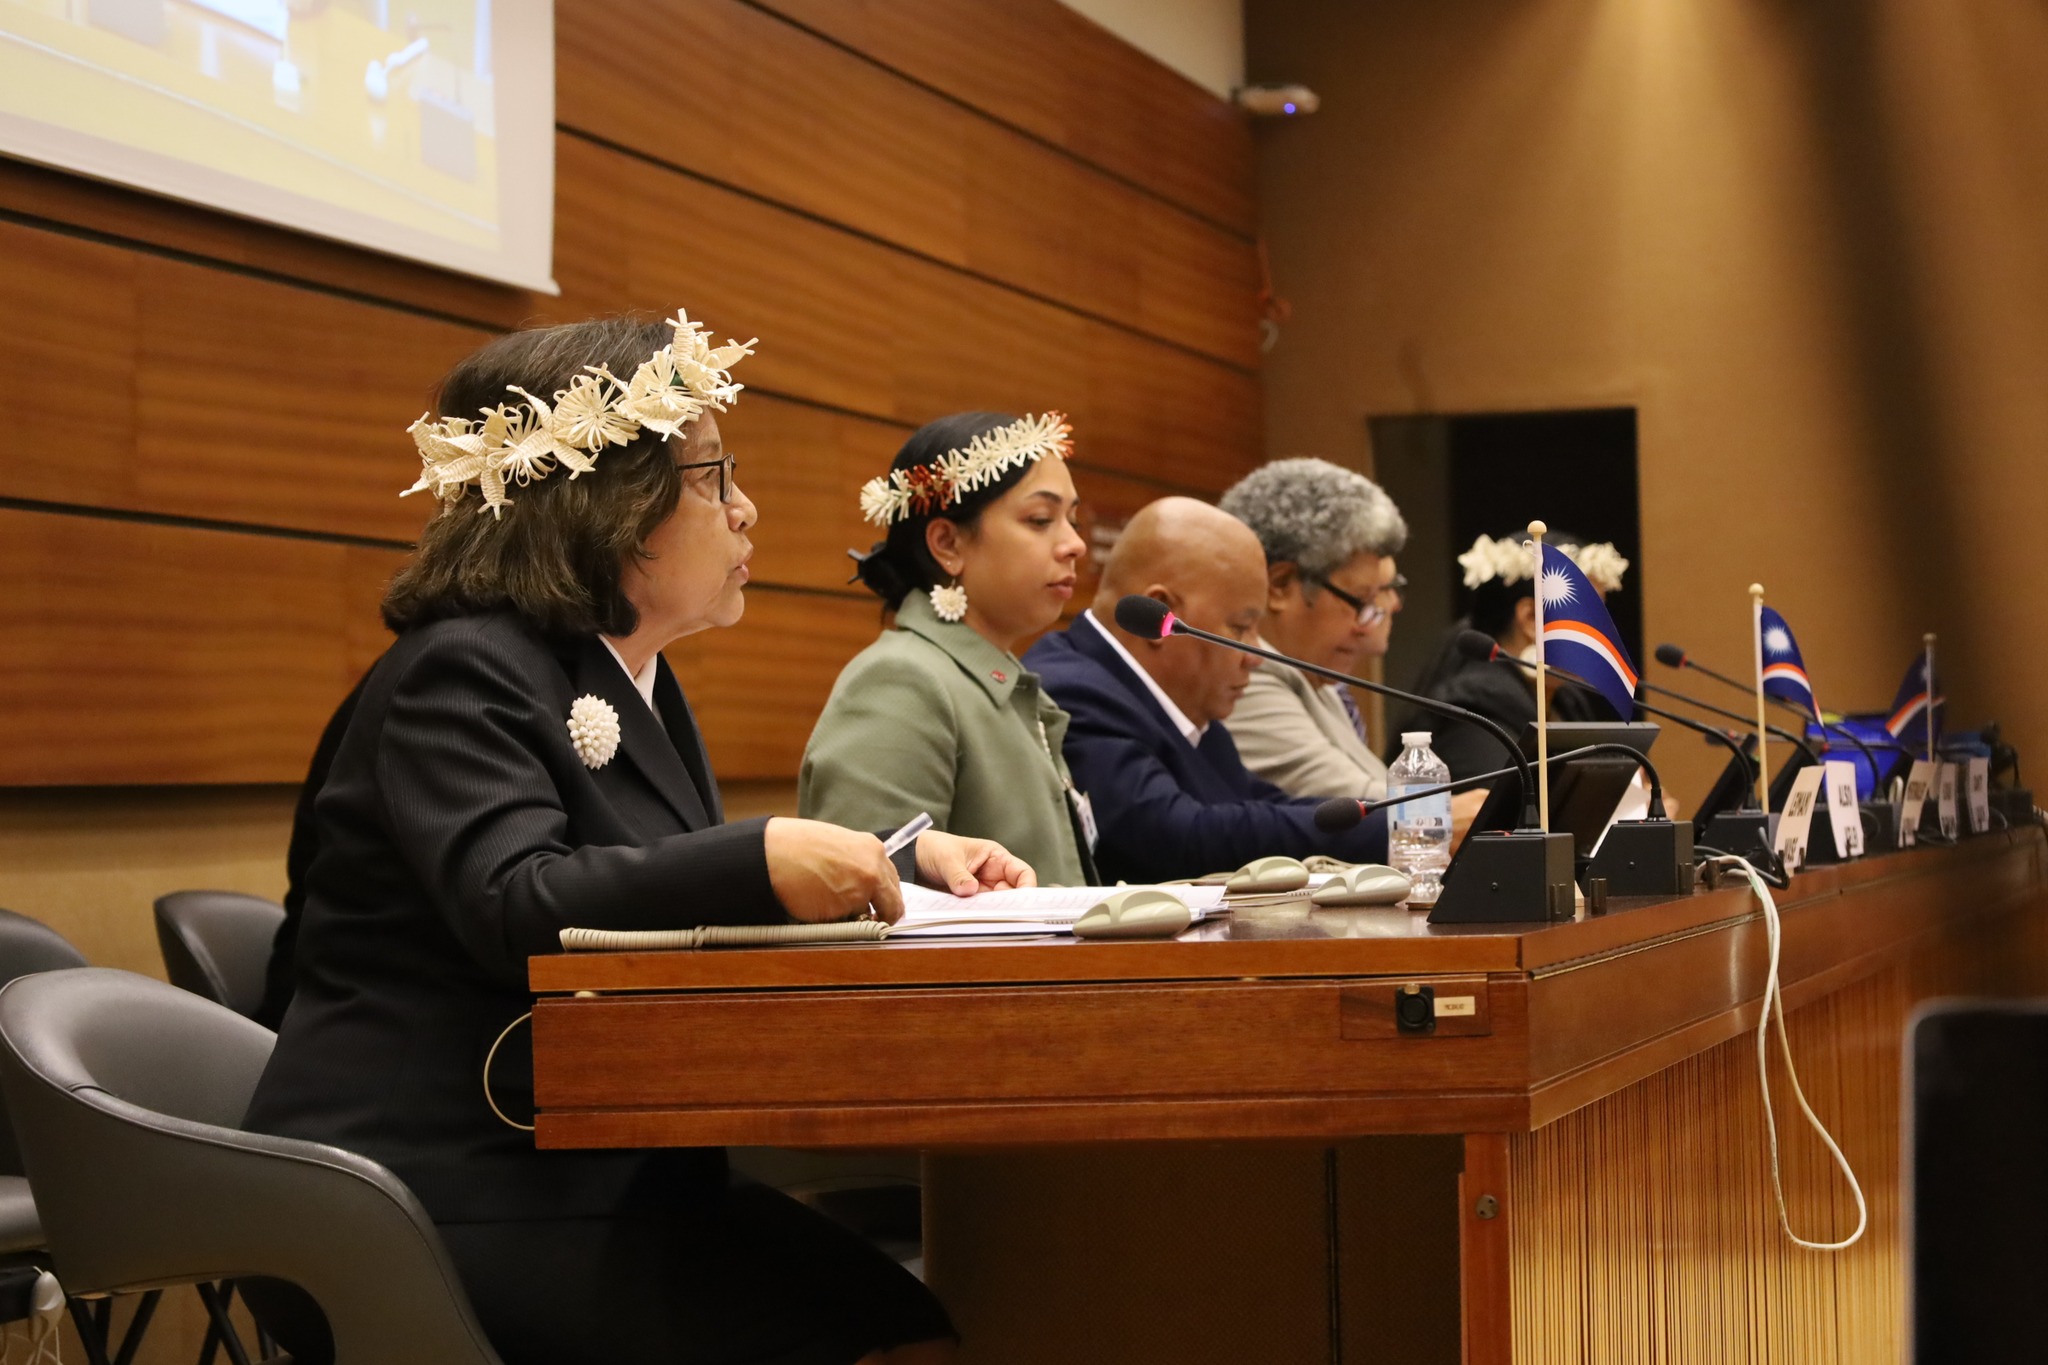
[217, 944]
[126, 1093]
[1976, 1179]
[28, 946]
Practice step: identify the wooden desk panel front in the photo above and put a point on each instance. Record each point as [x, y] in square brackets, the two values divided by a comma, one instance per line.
[1221, 1148]
[1274, 1024]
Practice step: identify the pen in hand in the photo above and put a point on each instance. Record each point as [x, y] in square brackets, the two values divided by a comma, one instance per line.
[900, 840]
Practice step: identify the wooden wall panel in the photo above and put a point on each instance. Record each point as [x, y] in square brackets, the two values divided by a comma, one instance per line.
[783, 114]
[164, 386]
[757, 687]
[856, 325]
[36, 192]
[141, 653]
[152, 653]
[1041, 67]
[226, 392]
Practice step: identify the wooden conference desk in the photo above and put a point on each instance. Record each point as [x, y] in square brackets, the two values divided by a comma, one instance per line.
[1221, 1148]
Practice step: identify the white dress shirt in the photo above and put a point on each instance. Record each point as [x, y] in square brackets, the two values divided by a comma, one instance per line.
[643, 681]
[1189, 730]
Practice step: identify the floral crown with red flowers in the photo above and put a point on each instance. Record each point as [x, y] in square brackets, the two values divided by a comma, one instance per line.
[889, 498]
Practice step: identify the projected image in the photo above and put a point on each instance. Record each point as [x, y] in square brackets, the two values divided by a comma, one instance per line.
[385, 109]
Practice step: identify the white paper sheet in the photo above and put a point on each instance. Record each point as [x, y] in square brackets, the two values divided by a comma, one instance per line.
[1034, 910]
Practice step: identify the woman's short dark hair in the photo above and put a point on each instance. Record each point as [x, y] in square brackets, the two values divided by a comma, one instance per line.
[903, 563]
[558, 554]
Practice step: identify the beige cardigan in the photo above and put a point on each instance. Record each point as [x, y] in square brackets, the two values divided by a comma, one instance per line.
[1296, 736]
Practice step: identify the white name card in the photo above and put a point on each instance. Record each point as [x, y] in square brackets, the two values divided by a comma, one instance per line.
[1979, 773]
[1946, 807]
[1796, 819]
[1919, 784]
[1845, 817]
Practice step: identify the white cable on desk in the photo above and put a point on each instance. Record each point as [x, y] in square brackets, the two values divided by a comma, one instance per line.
[722, 936]
[1774, 1007]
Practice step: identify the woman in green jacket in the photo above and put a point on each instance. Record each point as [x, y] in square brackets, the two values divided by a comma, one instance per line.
[938, 715]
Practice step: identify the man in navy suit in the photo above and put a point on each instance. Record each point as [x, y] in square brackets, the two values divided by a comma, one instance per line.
[1146, 742]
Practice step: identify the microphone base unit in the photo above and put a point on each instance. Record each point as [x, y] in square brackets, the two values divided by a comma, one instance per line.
[1643, 858]
[1521, 876]
[1746, 833]
[2016, 804]
[1880, 822]
[1880, 827]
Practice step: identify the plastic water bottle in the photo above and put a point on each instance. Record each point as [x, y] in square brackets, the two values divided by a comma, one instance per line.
[1419, 831]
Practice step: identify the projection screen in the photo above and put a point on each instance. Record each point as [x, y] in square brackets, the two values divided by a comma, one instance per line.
[421, 128]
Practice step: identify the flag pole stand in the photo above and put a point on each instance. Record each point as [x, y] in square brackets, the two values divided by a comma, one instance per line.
[1763, 756]
[1927, 641]
[1522, 876]
[1536, 531]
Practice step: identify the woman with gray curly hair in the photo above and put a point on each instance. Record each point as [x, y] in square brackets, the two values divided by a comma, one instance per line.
[1330, 536]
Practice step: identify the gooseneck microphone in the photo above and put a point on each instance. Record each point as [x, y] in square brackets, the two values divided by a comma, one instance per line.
[1476, 644]
[1800, 742]
[1671, 656]
[1151, 619]
[1340, 813]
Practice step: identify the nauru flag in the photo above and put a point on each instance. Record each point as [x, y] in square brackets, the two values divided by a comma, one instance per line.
[1579, 635]
[1908, 722]
[1784, 671]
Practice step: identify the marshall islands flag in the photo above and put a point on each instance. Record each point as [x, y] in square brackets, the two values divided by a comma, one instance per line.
[1917, 698]
[1579, 636]
[1784, 671]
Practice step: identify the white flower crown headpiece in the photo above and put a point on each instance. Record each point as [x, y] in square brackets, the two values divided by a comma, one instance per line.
[521, 442]
[889, 498]
[1511, 561]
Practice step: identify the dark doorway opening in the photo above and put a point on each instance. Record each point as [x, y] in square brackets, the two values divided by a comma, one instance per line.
[1459, 476]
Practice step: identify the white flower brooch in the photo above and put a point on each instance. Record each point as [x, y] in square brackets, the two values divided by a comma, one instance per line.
[593, 730]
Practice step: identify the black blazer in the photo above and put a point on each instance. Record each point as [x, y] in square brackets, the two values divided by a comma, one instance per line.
[1166, 808]
[457, 833]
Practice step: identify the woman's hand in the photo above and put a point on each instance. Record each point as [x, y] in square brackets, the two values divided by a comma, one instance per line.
[965, 866]
[821, 872]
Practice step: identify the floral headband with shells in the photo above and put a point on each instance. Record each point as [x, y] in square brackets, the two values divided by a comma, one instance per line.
[1511, 561]
[524, 441]
[889, 498]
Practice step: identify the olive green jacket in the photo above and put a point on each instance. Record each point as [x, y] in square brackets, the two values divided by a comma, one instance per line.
[932, 717]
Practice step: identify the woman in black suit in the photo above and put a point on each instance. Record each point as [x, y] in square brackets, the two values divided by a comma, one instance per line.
[522, 760]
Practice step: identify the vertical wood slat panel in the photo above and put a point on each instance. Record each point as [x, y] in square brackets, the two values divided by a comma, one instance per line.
[781, 113]
[1043, 68]
[1645, 1228]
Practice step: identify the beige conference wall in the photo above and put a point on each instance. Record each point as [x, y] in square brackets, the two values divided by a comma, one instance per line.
[1806, 242]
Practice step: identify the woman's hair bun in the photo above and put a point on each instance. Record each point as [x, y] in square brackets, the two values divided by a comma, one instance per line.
[882, 575]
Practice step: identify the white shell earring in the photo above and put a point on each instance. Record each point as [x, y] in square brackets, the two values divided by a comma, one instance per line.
[949, 601]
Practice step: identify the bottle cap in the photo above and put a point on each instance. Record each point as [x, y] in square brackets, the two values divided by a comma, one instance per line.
[1414, 738]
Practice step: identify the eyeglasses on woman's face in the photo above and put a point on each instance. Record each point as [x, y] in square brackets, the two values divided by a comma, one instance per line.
[1371, 610]
[724, 465]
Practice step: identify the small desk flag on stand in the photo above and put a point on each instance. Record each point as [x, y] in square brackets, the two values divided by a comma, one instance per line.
[1784, 671]
[1917, 699]
[1579, 636]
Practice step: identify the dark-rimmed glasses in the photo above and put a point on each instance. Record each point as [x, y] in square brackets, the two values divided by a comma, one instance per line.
[723, 465]
[1370, 612]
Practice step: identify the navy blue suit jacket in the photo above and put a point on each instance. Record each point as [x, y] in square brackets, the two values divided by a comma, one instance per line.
[1167, 808]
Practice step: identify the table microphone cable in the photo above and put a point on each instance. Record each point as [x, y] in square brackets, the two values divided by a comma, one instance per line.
[1774, 1009]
